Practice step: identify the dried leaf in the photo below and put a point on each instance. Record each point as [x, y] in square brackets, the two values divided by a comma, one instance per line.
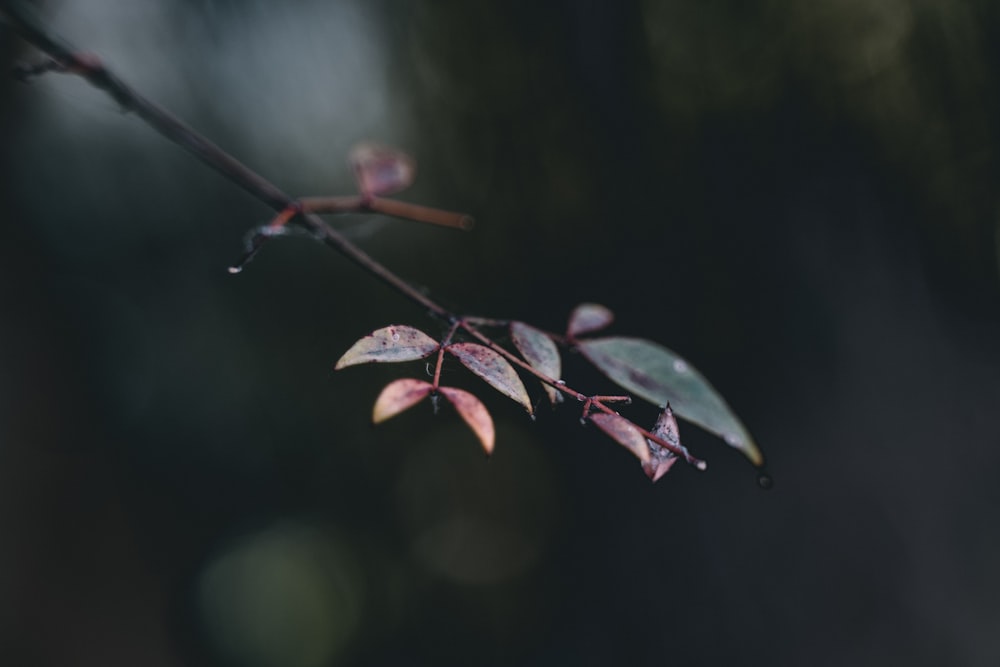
[539, 350]
[494, 369]
[474, 413]
[658, 375]
[389, 344]
[380, 170]
[588, 317]
[662, 459]
[399, 395]
[624, 433]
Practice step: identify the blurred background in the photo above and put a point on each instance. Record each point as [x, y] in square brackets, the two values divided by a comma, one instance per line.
[799, 197]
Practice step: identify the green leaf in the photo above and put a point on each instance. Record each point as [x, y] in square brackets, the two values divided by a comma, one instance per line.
[494, 369]
[658, 375]
[541, 352]
[389, 344]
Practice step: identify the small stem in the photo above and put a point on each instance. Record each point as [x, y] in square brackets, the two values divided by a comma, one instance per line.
[432, 216]
[486, 322]
[397, 209]
[627, 400]
[352, 204]
[440, 358]
[436, 382]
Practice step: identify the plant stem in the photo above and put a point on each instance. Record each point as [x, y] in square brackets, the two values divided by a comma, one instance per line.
[71, 60]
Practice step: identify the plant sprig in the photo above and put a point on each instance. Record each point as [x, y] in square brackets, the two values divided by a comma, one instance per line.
[643, 368]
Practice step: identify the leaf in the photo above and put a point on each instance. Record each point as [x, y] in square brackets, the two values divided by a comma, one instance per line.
[658, 375]
[389, 344]
[397, 396]
[624, 433]
[474, 413]
[539, 350]
[662, 459]
[380, 170]
[588, 317]
[494, 369]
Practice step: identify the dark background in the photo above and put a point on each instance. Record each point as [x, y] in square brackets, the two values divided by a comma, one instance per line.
[799, 197]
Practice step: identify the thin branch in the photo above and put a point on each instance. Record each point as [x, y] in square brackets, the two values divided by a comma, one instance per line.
[70, 59]
[66, 58]
[597, 402]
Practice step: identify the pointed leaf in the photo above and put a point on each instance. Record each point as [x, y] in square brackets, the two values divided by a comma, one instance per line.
[662, 459]
[398, 396]
[474, 413]
[541, 352]
[588, 317]
[494, 369]
[624, 433]
[389, 344]
[658, 375]
[380, 170]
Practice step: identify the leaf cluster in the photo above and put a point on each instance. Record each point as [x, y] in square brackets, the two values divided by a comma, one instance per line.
[641, 367]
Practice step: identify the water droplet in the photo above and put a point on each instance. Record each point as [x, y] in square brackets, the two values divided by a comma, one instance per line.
[765, 481]
[562, 382]
[732, 440]
[235, 269]
[680, 366]
[395, 337]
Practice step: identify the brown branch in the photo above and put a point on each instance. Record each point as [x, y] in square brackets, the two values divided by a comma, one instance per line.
[66, 58]
[598, 402]
[90, 68]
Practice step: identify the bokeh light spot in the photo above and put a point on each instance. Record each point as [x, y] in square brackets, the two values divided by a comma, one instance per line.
[287, 596]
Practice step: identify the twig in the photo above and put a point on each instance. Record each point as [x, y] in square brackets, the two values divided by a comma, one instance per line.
[66, 58]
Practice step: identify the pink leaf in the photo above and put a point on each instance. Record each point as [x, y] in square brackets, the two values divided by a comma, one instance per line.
[389, 344]
[380, 170]
[541, 352]
[494, 369]
[588, 317]
[398, 396]
[624, 433]
[474, 413]
[661, 458]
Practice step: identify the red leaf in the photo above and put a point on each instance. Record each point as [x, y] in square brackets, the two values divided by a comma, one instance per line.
[661, 458]
[539, 350]
[398, 396]
[624, 433]
[494, 369]
[588, 317]
[389, 344]
[380, 170]
[474, 413]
